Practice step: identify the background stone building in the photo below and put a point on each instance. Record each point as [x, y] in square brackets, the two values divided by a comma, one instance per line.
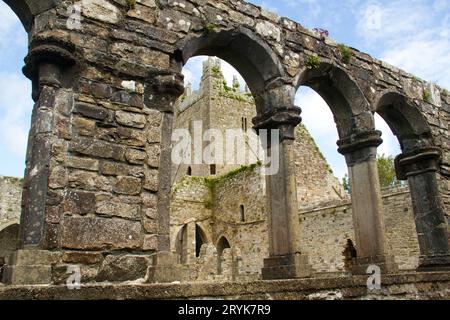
[223, 208]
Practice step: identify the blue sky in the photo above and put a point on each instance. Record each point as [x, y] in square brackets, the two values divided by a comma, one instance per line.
[411, 34]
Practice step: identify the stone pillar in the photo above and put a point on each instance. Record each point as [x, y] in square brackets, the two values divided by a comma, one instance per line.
[162, 90]
[420, 168]
[360, 151]
[286, 260]
[48, 65]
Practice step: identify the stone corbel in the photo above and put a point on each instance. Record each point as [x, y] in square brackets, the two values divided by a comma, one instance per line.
[417, 162]
[286, 119]
[360, 147]
[163, 89]
[46, 61]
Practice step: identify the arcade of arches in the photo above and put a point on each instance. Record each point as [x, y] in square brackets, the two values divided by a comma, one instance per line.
[98, 172]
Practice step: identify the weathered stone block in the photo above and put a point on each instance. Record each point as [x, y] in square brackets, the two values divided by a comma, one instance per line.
[82, 163]
[150, 243]
[93, 112]
[128, 185]
[154, 155]
[151, 180]
[89, 181]
[131, 119]
[101, 10]
[123, 268]
[77, 257]
[83, 126]
[79, 202]
[97, 148]
[135, 156]
[108, 206]
[58, 178]
[100, 234]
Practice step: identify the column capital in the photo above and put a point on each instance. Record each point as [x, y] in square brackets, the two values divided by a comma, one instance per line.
[48, 50]
[360, 147]
[285, 119]
[163, 89]
[417, 162]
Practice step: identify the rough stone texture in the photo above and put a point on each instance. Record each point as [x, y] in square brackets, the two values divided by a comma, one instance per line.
[413, 286]
[123, 268]
[10, 195]
[84, 109]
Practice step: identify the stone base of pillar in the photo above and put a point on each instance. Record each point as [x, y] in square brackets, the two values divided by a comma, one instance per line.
[386, 263]
[30, 267]
[165, 269]
[287, 267]
[434, 263]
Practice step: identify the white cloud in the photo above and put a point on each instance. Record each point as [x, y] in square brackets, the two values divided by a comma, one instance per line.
[15, 109]
[414, 35]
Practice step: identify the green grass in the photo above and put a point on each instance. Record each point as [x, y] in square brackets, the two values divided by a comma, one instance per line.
[346, 53]
[427, 95]
[313, 62]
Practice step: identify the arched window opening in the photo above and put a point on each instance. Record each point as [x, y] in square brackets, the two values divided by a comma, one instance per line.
[222, 244]
[200, 240]
[189, 171]
[181, 245]
[242, 211]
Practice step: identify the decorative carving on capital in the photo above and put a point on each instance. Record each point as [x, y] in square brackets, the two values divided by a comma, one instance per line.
[286, 119]
[47, 58]
[360, 147]
[418, 162]
[163, 89]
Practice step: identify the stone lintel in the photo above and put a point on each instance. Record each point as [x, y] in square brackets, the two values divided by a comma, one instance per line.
[360, 147]
[286, 119]
[417, 162]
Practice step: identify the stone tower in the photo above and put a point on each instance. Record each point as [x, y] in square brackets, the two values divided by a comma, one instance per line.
[221, 107]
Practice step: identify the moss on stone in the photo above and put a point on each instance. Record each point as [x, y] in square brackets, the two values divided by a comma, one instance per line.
[313, 62]
[346, 53]
[427, 95]
[131, 4]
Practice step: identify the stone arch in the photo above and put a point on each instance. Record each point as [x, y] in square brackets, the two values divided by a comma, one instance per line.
[26, 10]
[419, 163]
[406, 121]
[244, 50]
[222, 244]
[9, 239]
[200, 239]
[343, 95]
[181, 245]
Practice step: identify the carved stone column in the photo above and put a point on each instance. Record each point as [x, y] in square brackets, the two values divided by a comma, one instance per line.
[47, 65]
[419, 168]
[286, 260]
[162, 91]
[360, 151]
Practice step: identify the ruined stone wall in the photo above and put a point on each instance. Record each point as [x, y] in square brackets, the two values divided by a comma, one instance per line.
[249, 236]
[10, 200]
[316, 182]
[325, 231]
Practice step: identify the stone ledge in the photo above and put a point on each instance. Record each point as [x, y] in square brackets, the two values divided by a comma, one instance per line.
[433, 285]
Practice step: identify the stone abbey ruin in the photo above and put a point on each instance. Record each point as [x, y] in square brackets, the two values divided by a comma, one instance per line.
[101, 193]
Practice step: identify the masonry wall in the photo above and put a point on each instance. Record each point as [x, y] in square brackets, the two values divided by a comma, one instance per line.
[325, 231]
[248, 236]
[10, 198]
